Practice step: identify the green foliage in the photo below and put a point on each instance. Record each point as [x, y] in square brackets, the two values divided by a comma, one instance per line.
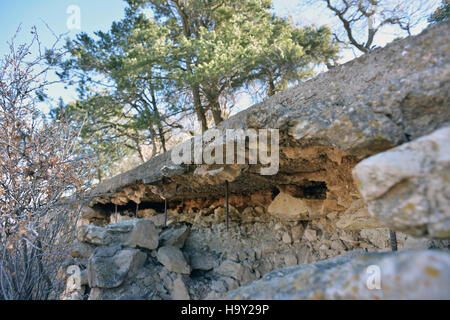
[442, 13]
[103, 136]
[189, 57]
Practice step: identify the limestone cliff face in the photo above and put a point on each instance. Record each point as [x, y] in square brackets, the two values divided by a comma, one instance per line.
[363, 147]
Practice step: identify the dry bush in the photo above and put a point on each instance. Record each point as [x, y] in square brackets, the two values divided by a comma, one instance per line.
[42, 175]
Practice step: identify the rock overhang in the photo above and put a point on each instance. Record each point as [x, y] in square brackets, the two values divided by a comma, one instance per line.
[326, 126]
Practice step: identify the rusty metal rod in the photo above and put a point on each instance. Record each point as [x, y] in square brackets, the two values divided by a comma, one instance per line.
[393, 236]
[137, 209]
[165, 212]
[226, 202]
[115, 211]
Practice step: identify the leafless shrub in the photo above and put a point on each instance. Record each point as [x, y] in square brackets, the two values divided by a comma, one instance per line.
[358, 21]
[42, 175]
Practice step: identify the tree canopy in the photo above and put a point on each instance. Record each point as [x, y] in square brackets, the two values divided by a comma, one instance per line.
[442, 13]
[359, 21]
[169, 59]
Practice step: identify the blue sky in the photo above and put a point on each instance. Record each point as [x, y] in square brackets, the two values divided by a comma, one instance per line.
[99, 14]
[95, 15]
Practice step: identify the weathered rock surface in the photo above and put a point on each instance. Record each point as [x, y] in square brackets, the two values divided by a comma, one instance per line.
[357, 217]
[130, 233]
[327, 124]
[236, 271]
[94, 235]
[408, 187]
[290, 208]
[108, 267]
[144, 235]
[179, 290]
[175, 236]
[89, 213]
[203, 260]
[221, 260]
[403, 275]
[173, 259]
[157, 219]
[81, 249]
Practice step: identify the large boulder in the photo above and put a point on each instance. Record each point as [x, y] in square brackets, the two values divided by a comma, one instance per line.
[400, 275]
[408, 187]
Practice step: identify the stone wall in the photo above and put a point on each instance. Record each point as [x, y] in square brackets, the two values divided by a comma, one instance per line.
[142, 259]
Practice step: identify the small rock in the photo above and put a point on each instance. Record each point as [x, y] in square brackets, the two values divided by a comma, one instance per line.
[230, 283]
[354, 277]
[218, 286]
[179, 290]
[297, 232]
[290, 260]
[84, 277]
[251, 254]
[121, 227]
[146, 213]
[378, 237]
[235, 270]
[231, 255]
[94, 235]
[286, 238]
[290, 208]
[90, 213]
[337, 245]
[259, 210]
[108, 268]
[144, 234]
[310, 235]
[278, 226]
[220, 214]
[173, 259]
[357, 217]
[175, 236]
[249, 211]
[203, 261]
[81, 249]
